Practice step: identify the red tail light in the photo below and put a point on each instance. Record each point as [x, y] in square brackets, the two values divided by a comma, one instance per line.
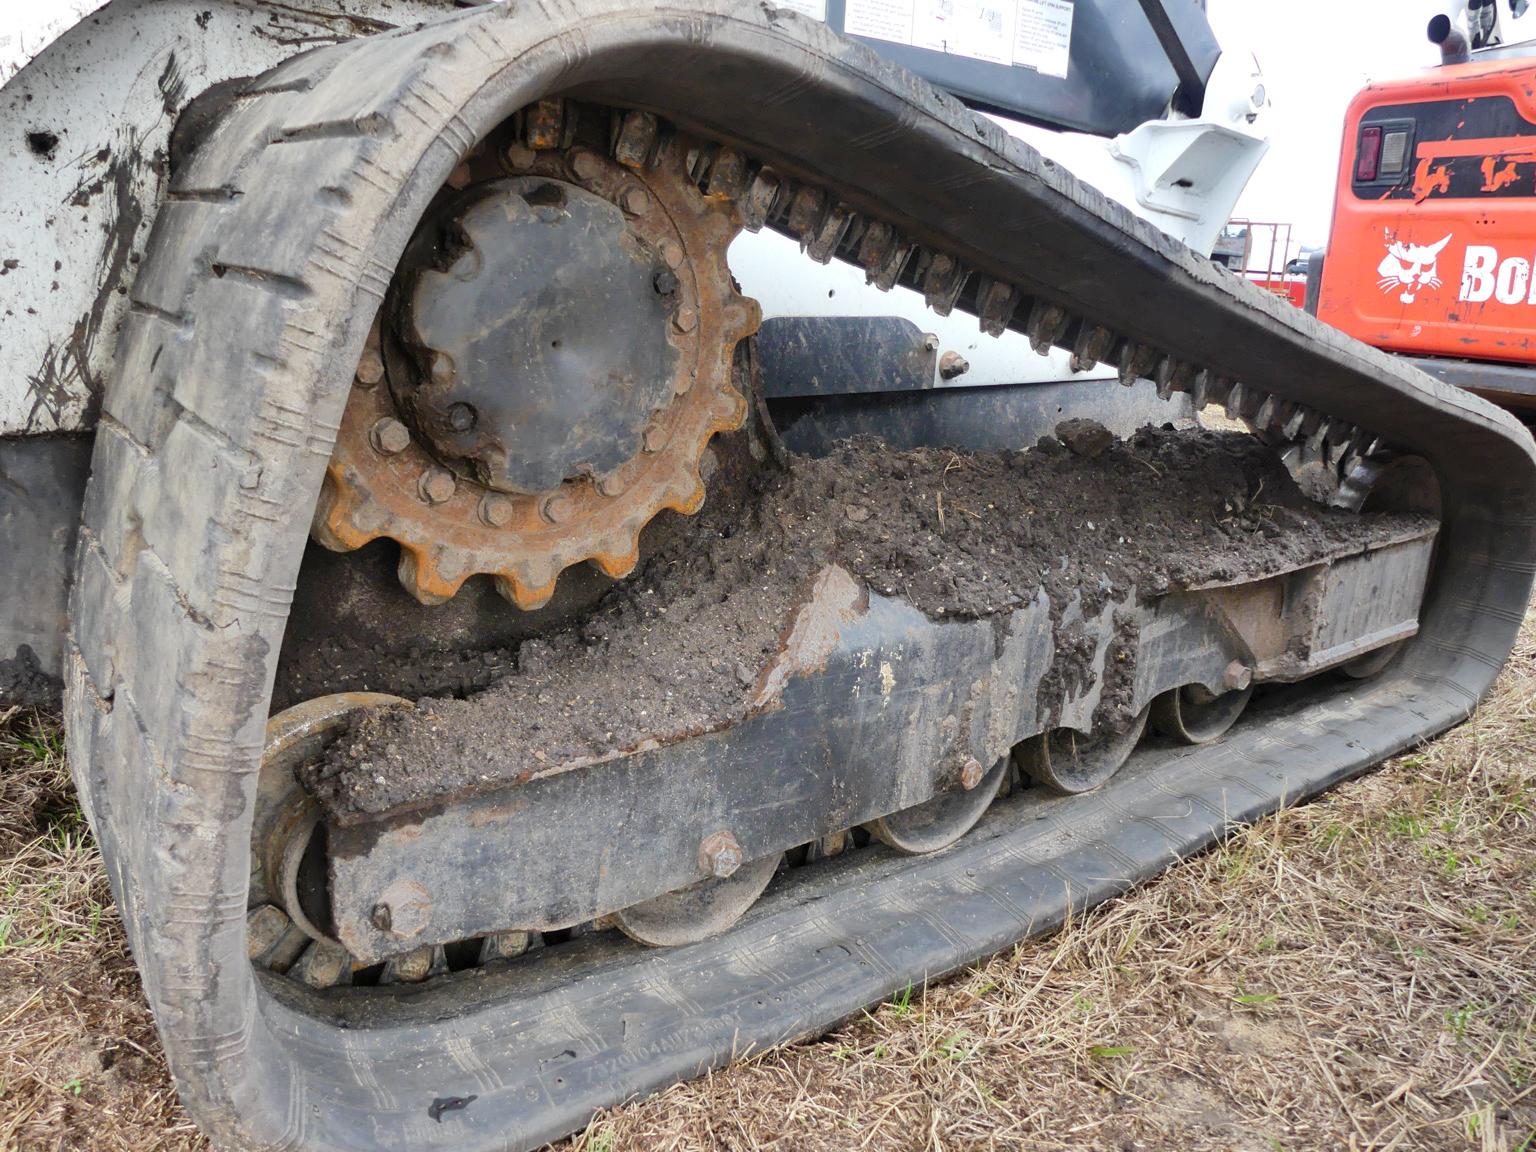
[1369, 156]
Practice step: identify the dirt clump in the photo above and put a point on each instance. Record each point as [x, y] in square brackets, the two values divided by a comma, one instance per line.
[1084, 437]
[674, 650]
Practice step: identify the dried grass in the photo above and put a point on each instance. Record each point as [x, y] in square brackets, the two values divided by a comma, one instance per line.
[1357, 973]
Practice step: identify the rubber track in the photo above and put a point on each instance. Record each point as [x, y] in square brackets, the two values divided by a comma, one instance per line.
[221, 415]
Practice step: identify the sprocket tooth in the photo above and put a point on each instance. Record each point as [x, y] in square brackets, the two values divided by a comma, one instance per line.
[743, 317]
[334, 526]
[618, 561]
[521, 594]
[730, 411]
[419, 576]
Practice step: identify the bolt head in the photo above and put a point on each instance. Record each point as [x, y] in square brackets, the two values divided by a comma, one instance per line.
[611, 485]
[370, 367]
[1236, 677]
[686, 318]
[496, 511]
[672, 252]
[403, 910]
[586, 165]
[635, 201]
[519, 156]
[719, 855]
[557, 507]
[388, 436]
[971, 773]
[436, 485]
[462, 417]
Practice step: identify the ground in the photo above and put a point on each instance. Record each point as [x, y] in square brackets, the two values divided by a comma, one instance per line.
[1359, 972]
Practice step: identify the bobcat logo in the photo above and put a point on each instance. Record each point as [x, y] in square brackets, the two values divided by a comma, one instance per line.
[1410, 267]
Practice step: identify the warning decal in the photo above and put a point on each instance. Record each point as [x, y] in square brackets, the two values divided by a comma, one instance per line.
[1033, 34]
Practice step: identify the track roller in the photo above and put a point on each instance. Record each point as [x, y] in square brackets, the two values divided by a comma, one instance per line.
[939, 822]
[699, 911]
[1196, 716]
[1069, 761]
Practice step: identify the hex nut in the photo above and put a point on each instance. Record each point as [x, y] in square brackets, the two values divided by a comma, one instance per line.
[1236, 676]
[436, 485]
[519, 156]
[388, 436]
[370, 367]
[672, 252]
[685, 319]
[971, 773]
[586, 165]
[719, 855]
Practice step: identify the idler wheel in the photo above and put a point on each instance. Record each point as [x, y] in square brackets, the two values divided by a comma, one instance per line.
[288, 911]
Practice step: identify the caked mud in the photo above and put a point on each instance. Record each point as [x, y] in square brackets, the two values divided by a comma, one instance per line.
[679, 648]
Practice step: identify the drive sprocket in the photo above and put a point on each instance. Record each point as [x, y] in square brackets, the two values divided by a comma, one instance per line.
[552, 359]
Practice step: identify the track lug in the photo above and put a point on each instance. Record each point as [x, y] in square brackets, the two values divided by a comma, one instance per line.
[1294, 419]
[1136, 361]
[1200, 389]
[943, 280]
[887, 272]
[822, 245]
[1093, 345]
[1172, 376]
[757, 204]
[1047, 324]
[545, 126]
[324, 965]
[806, 208]
[506, 946]
[636, 139]
[996, 302]
[727, 176]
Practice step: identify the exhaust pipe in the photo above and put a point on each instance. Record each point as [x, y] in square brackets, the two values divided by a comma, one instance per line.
[1453, 45]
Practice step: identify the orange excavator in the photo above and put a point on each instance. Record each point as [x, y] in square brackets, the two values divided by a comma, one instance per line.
[1434, 221]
